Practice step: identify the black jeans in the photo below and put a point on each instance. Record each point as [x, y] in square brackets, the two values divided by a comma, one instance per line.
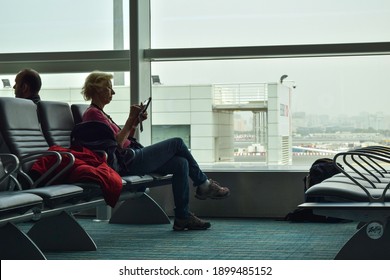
[170, 156]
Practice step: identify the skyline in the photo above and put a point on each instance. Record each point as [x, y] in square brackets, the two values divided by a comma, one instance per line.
[362, 120]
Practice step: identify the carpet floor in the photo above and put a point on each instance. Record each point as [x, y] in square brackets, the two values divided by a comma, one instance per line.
[228, 239]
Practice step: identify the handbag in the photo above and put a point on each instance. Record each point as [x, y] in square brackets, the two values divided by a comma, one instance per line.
[135, 144]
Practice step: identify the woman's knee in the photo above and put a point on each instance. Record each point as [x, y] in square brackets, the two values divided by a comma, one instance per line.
[179, 141]
[180, 164]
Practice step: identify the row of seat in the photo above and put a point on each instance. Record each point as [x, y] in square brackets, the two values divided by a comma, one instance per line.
[27, 131]
[360, 192]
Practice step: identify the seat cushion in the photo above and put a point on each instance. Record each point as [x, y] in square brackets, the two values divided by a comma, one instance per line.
[336, 191]
[19, 202]
[58, 194]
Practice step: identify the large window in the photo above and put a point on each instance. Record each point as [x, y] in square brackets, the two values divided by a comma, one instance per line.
[219, 23]
[337, 103]
[319, 104]
[63, 25]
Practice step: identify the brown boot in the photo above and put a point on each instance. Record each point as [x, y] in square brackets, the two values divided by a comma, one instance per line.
[190, 223]
[215, 191]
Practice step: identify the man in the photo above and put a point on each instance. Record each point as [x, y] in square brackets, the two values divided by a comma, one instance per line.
[27, 85]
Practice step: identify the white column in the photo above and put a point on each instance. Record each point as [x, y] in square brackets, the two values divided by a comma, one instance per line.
[279, 123]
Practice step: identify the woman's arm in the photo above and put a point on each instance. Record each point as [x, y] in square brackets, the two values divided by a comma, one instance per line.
[131, 124]
[125, 132]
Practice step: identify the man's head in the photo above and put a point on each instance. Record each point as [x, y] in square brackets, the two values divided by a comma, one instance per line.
[27, 84]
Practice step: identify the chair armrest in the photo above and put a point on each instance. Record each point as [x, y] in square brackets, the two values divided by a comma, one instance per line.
[9, 163]
[356, 163]
[34, 156]
[65, 169]
[381, 151]
[59, 156]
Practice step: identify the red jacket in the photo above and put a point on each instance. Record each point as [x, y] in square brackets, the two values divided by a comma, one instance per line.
[88, 167]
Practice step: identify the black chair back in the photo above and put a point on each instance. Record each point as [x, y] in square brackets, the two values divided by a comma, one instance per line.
[56, 122]
[78, 111]
[19, 126]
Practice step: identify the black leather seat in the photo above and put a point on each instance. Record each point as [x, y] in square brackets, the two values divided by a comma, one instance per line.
[361, 194]
[11, 201]
[20, 127]
[21, 132]
[78, 111]
[56, 130]
[16, 206]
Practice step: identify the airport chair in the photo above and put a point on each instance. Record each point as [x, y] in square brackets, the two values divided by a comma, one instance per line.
[78, 111]
[16, 207]
[21, 133]
[359, 199]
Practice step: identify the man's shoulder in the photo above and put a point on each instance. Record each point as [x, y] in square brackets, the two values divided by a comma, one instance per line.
[35, 98]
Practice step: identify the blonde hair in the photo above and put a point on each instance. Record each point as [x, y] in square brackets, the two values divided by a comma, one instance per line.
[94, 82]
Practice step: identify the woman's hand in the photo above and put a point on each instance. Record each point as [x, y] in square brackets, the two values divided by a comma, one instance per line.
[136, 116]
[135, 110]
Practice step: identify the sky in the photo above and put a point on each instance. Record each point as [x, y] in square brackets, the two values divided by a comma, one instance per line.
[345, 85]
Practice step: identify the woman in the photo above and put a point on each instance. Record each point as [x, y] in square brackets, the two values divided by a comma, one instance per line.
[166, 157]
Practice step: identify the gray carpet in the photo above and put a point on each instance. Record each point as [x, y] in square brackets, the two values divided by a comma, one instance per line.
[235, 239]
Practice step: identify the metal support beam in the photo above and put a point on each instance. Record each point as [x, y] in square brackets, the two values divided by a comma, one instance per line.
[140, 69]
[65, 62]
[119, 77]
[258, 52]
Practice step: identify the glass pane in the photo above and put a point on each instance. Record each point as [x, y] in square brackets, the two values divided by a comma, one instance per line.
[335, 104]
[163, 132]
[219, 23]
[62, 25]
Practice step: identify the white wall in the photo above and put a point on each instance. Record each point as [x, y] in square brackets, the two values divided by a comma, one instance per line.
[211, 132]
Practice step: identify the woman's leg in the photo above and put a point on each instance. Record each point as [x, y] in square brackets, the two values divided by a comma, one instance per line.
[170, 157]
[153, 157]
[173, 157]
[178, 166]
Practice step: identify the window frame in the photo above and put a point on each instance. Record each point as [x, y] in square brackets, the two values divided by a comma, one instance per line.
[138, 59]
